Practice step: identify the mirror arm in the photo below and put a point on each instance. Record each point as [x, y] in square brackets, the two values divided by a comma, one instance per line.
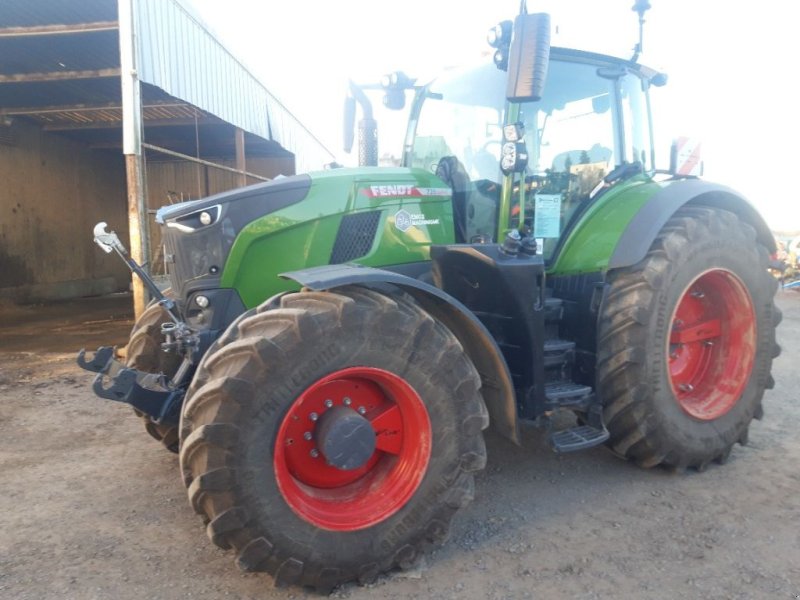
[360, 97]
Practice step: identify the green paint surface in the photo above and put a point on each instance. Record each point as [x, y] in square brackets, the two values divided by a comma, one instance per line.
[303, 235]
[590, 244]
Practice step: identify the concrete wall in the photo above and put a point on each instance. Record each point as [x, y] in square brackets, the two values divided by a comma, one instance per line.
[52, 192]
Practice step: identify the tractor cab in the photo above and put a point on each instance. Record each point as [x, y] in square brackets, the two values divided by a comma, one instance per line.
[592, 120]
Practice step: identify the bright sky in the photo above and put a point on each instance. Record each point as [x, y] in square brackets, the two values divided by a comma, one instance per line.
[728, 64]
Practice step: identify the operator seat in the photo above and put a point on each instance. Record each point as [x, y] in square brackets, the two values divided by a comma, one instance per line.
[450, 170]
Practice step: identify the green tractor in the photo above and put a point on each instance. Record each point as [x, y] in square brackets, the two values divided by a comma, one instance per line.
[335, 343]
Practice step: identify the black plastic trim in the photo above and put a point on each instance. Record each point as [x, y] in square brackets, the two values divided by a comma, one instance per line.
[265, 198]
[498, 388]
[355, 237]
[224, 306]
[638, 236]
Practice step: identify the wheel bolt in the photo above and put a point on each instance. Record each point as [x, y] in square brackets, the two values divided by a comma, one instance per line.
[313, 416]
[686, 387]
[708, 343]
[361, 410]
[698, 295]
[328, 403]
[307, 436]
[314, 453]
[347, 401]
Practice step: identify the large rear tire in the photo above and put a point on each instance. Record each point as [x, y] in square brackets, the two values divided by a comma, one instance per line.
[144, 353]
[686, 342]
[256, 418]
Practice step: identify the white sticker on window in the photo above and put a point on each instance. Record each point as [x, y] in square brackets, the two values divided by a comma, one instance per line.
[547, 219]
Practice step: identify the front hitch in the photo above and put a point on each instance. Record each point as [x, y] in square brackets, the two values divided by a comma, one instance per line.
[99, 360]
[150, 393]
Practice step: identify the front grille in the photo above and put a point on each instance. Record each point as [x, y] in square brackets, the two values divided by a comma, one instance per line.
[355, 237]
[194, 259]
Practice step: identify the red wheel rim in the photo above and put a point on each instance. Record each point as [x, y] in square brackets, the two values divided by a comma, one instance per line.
[712, 344]
[347, 500]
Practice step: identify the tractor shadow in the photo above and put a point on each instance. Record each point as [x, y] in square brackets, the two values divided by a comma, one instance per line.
[528, 487]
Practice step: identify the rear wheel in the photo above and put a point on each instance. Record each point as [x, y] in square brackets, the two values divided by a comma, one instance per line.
[144, 353]
[332, 438]
[686, 342]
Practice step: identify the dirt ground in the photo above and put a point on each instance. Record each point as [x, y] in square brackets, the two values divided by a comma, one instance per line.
[91, 507]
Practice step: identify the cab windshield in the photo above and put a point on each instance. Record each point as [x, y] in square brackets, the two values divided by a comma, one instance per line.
[571, 136]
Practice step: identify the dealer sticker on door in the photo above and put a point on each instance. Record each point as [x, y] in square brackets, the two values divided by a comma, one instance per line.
[547, 222]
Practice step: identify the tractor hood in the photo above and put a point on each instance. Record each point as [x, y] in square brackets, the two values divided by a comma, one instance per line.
[243, 238]
[245, 204]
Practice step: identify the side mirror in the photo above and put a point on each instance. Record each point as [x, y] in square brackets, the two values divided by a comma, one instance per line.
[528, 57]
[394, 99]
[685, 157]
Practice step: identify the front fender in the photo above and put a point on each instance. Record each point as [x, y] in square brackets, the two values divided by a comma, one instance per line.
[497, 386]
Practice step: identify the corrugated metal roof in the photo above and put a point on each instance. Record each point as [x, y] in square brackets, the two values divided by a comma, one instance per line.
[26, 13]
[64, 93]
[180, 55]
[59, 53]
[82, 93]
[177, 52]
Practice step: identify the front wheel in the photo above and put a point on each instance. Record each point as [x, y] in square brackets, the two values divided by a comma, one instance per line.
[144, 353]
[332, 438]
[686, 342]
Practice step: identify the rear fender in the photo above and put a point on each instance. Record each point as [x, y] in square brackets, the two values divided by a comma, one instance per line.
[497, 386]
[641, 231]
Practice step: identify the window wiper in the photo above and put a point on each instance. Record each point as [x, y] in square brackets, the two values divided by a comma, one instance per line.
[617, 175]
[623, 172]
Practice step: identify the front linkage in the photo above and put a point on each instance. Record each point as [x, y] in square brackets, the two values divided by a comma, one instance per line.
[151, 393]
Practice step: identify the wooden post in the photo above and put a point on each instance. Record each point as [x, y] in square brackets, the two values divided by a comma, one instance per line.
[136, 227]
[132, 148]
[241, 159]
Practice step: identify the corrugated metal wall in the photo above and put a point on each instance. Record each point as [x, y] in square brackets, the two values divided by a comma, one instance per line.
[177, 54]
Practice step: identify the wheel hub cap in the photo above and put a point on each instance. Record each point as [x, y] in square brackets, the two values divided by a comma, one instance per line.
[352, 449]
[345, 438]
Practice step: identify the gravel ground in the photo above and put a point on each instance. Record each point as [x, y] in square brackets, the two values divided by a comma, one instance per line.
[91, 507]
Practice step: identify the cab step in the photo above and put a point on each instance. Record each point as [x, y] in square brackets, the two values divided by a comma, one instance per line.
[577, 438]
[567, 394]
[558, 353]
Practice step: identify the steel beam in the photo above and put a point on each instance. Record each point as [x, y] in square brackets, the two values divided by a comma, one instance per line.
[58, 76]
[207, 163]
[43, 110]
[37, 30]
[89, 125]
[241, 158]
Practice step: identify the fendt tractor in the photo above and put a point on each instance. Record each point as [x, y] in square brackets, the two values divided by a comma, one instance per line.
[333, 344]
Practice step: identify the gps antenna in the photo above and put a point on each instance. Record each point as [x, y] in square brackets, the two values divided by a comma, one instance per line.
[640, 7]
